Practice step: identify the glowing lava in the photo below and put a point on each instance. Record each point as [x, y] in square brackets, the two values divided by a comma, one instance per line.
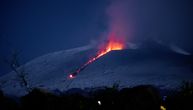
[112, 44]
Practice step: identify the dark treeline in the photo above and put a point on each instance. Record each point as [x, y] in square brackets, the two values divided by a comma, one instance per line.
[144, 97]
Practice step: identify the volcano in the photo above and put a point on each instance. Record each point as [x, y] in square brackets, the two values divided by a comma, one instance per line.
[112, 44]
[150, 63]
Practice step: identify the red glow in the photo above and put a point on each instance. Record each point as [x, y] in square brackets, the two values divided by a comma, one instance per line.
[71, 76]
[112, 44]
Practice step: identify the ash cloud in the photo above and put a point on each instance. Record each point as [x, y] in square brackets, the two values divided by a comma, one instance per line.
[118, 22]
[138, 21]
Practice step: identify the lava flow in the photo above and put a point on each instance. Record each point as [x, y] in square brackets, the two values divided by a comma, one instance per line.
[112, 44]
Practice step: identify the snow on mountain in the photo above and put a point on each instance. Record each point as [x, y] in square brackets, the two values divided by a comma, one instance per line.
[179, 50]
[147, 64]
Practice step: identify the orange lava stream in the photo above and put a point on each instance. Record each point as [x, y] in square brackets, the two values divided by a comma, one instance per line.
[111, 45]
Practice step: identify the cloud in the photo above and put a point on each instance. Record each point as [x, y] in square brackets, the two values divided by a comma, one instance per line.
[118, 22]
[141, 20]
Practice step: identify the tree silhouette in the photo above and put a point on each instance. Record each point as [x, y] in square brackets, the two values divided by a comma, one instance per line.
[21, 74]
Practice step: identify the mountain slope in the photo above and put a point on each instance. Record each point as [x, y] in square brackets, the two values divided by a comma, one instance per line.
[150, 64]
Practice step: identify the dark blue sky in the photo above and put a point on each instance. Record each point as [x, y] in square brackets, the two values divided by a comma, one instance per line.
[37, 27]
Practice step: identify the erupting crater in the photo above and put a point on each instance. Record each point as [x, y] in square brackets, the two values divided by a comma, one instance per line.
[112, 44]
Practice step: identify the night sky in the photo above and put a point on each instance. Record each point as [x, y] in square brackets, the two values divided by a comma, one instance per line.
[37, 27]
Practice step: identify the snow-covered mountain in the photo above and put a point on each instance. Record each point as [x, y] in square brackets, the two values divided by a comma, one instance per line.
[151, 63]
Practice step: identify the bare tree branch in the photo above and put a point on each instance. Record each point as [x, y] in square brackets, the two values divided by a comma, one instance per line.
[21, 74]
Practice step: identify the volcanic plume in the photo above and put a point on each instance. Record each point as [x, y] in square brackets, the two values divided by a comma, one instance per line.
[116, 34]
[112, 44]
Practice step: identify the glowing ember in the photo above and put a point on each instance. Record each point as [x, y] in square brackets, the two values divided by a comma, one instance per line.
[71, 76]
[111, 45]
